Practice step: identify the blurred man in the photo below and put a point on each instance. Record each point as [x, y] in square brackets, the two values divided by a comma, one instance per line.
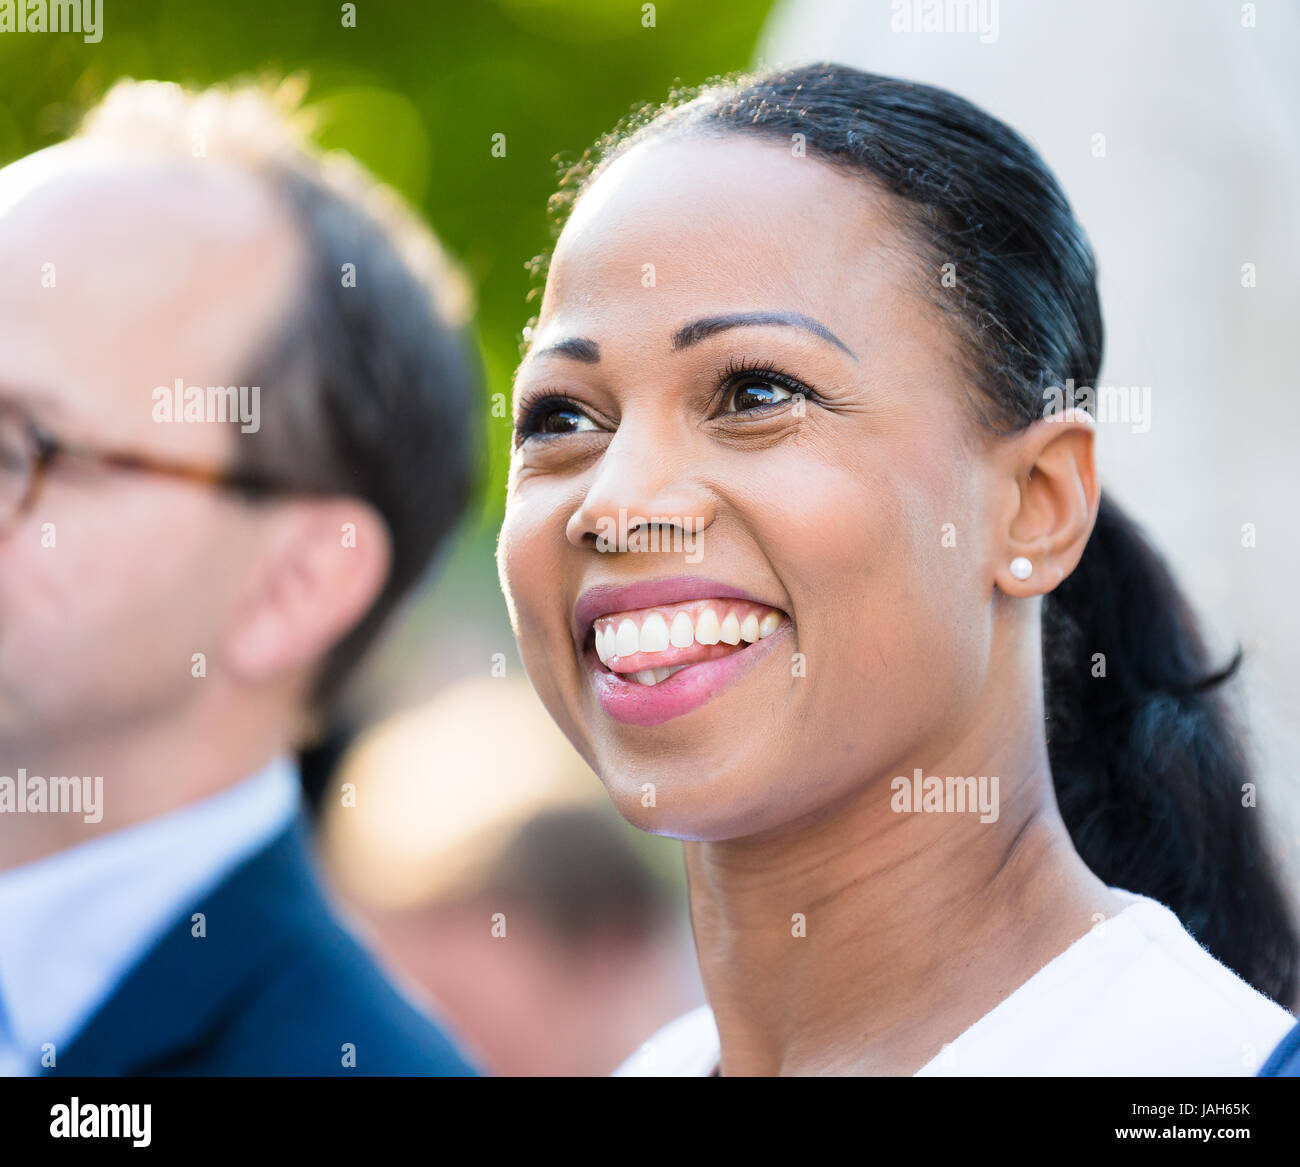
[234, 426]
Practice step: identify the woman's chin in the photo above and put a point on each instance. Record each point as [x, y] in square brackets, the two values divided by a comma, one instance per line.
[698, 812]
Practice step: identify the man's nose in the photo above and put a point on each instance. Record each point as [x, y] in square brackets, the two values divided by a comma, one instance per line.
[645, 480]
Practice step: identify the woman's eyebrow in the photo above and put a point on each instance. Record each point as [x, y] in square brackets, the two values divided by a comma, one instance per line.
[698, 330]
[579, 348]
[576, 348]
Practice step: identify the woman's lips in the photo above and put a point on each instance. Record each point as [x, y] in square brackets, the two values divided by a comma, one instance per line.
[662, 673]
[638, 662]
[602, 599]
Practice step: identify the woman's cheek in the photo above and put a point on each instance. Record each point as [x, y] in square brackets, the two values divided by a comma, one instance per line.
[521, 553]
[870, 580]
[529, 555]
[509, 571]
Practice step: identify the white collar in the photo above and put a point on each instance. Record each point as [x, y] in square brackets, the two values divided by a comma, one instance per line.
[75, 922]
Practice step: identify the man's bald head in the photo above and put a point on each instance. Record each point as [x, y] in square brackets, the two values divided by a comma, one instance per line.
[159, 267]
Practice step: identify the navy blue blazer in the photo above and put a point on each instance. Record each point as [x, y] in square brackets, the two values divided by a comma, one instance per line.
[1284, 1062]
[276, 987]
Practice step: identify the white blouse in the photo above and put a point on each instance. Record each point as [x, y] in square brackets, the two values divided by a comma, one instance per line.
[1137, 995]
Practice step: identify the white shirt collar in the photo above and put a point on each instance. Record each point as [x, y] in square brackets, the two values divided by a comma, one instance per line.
[75, 922]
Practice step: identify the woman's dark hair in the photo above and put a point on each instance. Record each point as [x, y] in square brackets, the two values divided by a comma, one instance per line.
[1149, 767]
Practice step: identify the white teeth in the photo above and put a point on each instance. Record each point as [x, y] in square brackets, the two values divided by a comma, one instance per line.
[653, 676]
[707, 628]
[654, 634]
[627, 640]
[682, 633]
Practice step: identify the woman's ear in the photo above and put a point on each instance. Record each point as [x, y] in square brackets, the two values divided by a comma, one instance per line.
[324, 563]
[1054, 505]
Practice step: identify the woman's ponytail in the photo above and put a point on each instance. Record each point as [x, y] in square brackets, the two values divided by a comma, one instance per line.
[1151, 772]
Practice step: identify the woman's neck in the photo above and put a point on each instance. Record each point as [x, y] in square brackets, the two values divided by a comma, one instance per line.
[862, 942]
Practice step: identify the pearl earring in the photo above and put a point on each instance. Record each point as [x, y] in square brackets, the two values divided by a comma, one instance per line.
[1021, 568]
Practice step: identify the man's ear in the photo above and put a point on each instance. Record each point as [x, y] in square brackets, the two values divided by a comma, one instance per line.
[1052, 505]
[323, 565]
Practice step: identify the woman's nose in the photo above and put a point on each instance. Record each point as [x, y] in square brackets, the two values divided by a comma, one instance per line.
[645, 494]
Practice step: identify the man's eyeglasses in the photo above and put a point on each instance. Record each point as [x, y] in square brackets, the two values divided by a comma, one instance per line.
[27, 452]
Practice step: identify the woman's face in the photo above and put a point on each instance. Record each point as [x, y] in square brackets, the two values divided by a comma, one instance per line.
[745, 453]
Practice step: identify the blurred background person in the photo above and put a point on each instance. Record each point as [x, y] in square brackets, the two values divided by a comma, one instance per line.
[475, 847]
[181, 587]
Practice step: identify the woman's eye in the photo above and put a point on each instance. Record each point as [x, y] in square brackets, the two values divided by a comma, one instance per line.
[755, 394]
[564, 421]
[550, 418]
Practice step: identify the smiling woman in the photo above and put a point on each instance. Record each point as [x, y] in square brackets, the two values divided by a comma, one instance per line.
[909, 570]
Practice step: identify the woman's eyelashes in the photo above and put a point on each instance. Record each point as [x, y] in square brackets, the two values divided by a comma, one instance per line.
[741, 387]
[750, 386]
[550, 415]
